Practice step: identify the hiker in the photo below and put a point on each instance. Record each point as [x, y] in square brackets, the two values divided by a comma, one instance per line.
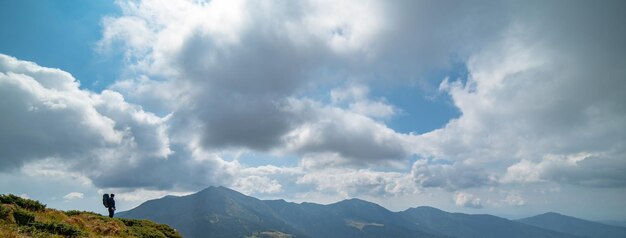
[109, 203]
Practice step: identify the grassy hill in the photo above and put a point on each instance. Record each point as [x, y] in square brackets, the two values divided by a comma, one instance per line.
[21, 217]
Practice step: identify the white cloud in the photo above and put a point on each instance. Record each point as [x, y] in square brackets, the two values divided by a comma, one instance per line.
[45, 114]
[73, 196]
[534, 94]
[356, 99]
[595, 170]
[257, 184]
[224, 76]
[356, 182]
[331, 130]
[464, 199]
[515, 199]
[53, 128]
[449, 176]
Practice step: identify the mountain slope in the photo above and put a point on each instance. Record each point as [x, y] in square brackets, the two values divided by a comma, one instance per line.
[464, 225]
[21, 217]
[222, 212]
[571, 225]
[348, 218]
[217, 211]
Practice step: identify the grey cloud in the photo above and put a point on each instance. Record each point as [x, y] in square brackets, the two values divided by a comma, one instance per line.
[422, 37]
[236, 87]
[449, 176]
[585, 169]
[595, 171]
[46, 115]
[464, 199]
[353, 136]
[244, 85]
[538, 82]
[546, 88]
[162, 174]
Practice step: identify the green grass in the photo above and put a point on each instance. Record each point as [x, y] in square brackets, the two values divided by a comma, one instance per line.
[21, 217]
[27, 204]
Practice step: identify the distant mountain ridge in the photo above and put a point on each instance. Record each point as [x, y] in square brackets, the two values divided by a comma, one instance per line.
[222, 212]
[572, 225]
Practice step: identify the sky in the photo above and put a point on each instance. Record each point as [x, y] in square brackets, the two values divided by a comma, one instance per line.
[512, 108]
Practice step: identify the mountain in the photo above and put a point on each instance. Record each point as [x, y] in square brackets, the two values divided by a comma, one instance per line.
[218, 211]
[348, 218]
[465, 225]
[20, 217]
[571, 225]
[222, 212]
[617, 223]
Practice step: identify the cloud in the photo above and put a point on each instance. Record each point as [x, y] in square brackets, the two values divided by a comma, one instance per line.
[356, 99]
[543, 89]
[73, 196]
[351, 183]
[464, 199]
[45, 114]
[51, 127]
[449, 176]
[206, 81]
[514, 199]
[244, 77]
[257, 184]
[332, 130]
[580, 169]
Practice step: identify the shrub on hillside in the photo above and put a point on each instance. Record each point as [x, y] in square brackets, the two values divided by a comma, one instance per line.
[58, 228]
[4, 213]
[23, 217]
[143, 228]
[73, 213]
[27, 204]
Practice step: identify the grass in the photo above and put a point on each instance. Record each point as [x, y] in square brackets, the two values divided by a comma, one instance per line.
[21, 218]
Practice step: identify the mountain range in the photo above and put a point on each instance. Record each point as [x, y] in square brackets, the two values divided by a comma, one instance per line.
[222, 212]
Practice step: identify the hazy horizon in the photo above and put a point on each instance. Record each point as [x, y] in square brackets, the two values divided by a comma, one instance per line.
[509, 108]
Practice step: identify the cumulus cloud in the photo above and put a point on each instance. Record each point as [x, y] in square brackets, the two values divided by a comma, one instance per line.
[257, 184]
[332, 130]
[449, 176]
[464, 199]
[51, 127]
[244, 73]
[209, 78]
[581, 169]
[45, 114]
[73, 196]
[514, 199]
[351, 182]
[241, 71]
[544, 89]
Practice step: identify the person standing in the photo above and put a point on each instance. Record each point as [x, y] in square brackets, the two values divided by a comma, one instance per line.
[111, 206]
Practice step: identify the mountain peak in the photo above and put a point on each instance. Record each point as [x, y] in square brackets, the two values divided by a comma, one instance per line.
[220, 190]
[426, 208]
[552, 214]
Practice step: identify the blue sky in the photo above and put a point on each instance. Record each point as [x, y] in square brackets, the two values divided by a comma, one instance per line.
[505, 108]
[61, 34]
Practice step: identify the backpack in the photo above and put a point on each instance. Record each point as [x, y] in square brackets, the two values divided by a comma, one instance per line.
[105, 200]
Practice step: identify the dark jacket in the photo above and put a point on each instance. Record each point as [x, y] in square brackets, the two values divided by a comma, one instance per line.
[111, 202]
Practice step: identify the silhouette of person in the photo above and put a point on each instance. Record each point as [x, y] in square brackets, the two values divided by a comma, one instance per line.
[111, 205]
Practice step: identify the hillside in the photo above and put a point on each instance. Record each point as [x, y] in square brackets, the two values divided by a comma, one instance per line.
[572, 225]
[21, 217]
[466, 225]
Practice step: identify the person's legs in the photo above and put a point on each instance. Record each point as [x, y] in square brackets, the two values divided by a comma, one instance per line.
[111, 211]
